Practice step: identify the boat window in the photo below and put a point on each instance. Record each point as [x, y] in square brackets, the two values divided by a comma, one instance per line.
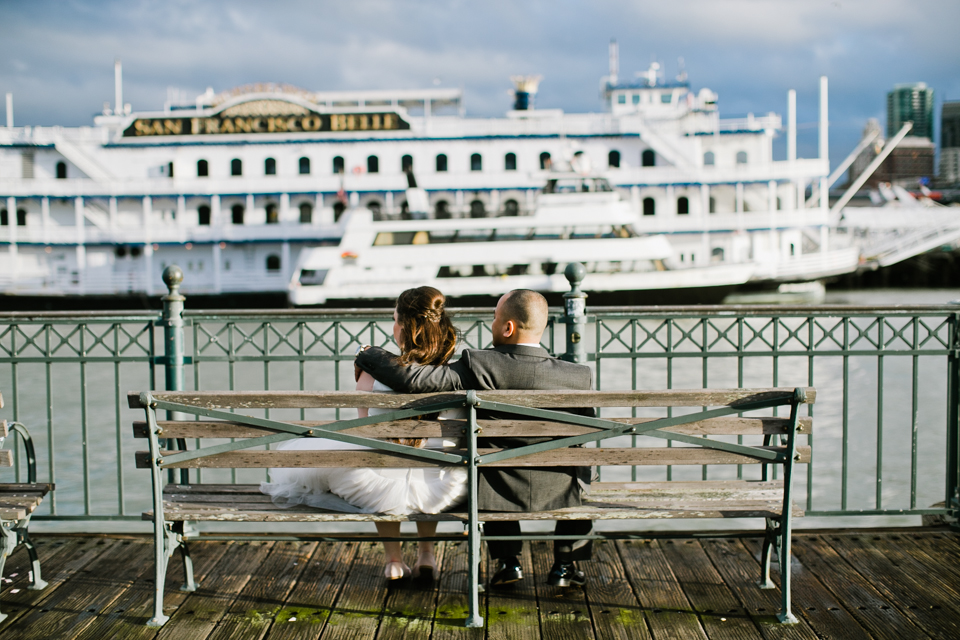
[511, 208]
[549, 233]
[273, 216]
[779, 204]
[507, 235]
[313, 276]
[443, 237]
[716, 254]
[510, 162]
[236, 167]
[713, 204]
[120, 251]
[237, 213]
[375, 208]
[476, 162]
[441, 162]
[741, 157]
[545, 162]
[613, 159]
[441, 209]
[273, 262]
[270, 167]
[709, 159]
[373, 164]
[649, 207]
[304, 166]
[580, 233]
[648, 158]
[420, 237]
[388, 238]
[306, 213]
[203, 215]
[474, 235]
[135, 252]
[636, 98]
[61, 171]
[666, 98]
[622, 98]
[338, 209]
[338, 164]
[203, 169]
[477, 209]
[406, 164]
[683, 205]
[4, 218]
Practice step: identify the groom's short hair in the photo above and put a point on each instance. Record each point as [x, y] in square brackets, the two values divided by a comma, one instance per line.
[528, 309]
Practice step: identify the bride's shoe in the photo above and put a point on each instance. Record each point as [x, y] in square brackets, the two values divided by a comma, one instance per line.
[396, 571]
[426, 568]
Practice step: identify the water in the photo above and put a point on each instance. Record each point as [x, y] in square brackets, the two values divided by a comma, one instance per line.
[113, 485]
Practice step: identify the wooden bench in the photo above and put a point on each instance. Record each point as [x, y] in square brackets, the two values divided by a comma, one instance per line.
[177, 506]
[17, 502]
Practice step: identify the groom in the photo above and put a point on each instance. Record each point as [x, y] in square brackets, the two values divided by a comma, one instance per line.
[517, 361]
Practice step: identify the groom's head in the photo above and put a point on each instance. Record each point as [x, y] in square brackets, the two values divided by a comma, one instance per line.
[521, 317]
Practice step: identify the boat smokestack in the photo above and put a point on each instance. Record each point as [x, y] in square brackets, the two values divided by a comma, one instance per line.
[614, 61]
[118, 86]
[525, 90]
[10, 111]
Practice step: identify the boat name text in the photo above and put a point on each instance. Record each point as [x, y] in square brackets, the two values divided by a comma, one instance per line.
[266, 124]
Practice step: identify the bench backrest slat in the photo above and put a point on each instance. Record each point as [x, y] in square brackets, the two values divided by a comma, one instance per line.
[386, 400]
[6, 458]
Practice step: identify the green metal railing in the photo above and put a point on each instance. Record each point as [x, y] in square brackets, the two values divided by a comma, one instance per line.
[885, 440]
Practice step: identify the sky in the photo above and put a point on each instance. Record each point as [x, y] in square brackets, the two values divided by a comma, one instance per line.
[56, 57]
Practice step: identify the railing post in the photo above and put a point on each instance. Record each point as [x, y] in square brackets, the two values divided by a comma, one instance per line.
[952, 498]
[173, 346]
[575, 314]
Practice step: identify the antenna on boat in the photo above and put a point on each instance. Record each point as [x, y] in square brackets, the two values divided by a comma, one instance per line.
[614, 61]
[10, 111]
[118, 86]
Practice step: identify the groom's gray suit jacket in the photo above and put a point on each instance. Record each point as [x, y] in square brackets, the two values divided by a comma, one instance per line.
[504, 367]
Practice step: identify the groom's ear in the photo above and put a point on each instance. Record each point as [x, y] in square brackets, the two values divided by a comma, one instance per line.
[509, 328]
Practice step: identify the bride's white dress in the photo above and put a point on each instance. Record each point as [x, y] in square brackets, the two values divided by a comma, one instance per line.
[393, 491]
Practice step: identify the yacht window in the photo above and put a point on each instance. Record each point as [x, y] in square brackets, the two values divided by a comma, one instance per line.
[375, 208]
[716, 254]
[304, 166]
[4, 221]
[313, 276]
[203, 215]
[713, 204]
[666, 98]
[120, 251]
[270, 167]
[203, 169]
[237, 213]
[387, 238]
[511, 208]
[61, 171]
[441, 162]
[622, 99]
[406, 164]
[477, 209]
[474, 235]
[338, 164]
[476, 162]
[236, 167]
[373, 164]
[21, 218]
[613, 159]
[649, 207]
[135, 252]
[741, 157]
[545, 162]
[306, 213]
[709, 159]
[510, 162]
[683, 205]
[443, 237]
[648, 158]
[636, 98]
[779, 204]
[273, 262]
[420, 237]
[441, 209]
[338, 209]
[273, 216]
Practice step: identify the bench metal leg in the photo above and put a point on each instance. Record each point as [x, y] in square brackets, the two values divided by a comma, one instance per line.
[189, 584]
[162, 549]
[766, 554]
[38, 582]
[786, 514]
[474, 619]
[8, 542]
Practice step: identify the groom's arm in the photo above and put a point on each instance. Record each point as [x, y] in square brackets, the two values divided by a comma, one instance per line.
[414, 378]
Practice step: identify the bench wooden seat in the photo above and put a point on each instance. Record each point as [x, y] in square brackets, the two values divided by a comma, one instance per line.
[232, 440]
[17, 502]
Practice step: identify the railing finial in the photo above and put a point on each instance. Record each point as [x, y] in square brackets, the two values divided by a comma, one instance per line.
[173, 278]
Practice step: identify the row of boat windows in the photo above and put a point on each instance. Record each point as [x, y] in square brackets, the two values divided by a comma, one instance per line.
[21, 218]
[399, 238]
[238, 212]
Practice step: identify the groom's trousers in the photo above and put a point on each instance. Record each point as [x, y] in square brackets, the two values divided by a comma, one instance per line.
[563, 550]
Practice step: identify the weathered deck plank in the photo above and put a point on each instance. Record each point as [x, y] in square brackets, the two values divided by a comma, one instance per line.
[889, 585]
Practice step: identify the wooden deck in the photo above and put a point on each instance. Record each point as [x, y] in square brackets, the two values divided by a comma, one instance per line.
[898, 584]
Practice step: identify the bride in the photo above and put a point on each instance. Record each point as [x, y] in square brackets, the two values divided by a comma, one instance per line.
[425, 335]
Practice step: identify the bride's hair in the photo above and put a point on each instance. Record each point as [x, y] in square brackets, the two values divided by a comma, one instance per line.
[427, 333]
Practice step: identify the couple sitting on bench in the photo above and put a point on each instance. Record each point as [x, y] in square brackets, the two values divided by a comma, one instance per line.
[427, 340]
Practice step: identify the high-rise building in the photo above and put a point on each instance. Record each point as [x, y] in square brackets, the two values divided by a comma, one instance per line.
[910, 103]
[950, 143]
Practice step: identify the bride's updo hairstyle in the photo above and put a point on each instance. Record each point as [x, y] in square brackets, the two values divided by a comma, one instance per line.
[427, 333]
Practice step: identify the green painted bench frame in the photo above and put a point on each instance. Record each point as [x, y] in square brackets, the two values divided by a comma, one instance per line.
[529, 404]
[17, 503]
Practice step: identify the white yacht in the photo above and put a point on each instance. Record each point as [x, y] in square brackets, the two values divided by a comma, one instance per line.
[250, 190]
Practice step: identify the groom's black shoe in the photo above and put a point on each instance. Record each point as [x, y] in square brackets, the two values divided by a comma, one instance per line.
[508, 572]
[565, 574]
